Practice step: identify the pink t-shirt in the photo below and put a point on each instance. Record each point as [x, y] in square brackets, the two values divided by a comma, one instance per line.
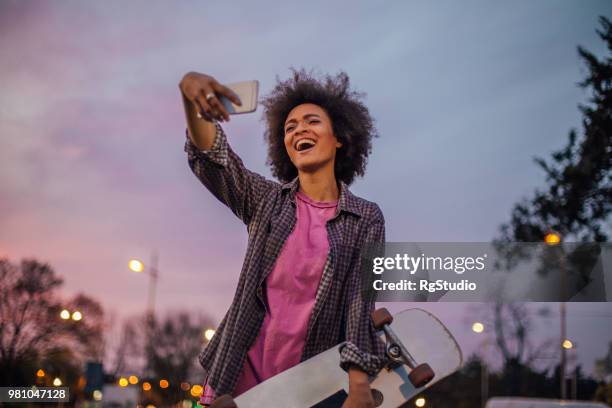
[291, 290]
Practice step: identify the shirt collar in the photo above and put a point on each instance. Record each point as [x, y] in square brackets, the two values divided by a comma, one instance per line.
[347, 201]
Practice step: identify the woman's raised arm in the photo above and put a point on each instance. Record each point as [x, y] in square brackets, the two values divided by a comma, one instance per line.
[209, 154]
[200, 94]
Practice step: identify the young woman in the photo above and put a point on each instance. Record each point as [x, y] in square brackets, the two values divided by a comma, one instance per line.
[299, 291]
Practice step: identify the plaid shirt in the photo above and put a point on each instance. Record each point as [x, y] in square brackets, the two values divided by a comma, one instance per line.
[341, 314]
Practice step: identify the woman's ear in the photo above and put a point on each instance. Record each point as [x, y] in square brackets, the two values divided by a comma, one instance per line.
[338, 144]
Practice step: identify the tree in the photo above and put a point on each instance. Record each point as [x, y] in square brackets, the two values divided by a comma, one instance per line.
[126, 351]
[603, 366]
[172, 350]
[578, 199]
[32, 333]
[604, 393]
[511, 325]
[459, 390]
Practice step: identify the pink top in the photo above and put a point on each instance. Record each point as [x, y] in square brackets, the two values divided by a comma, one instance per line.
[291, 290]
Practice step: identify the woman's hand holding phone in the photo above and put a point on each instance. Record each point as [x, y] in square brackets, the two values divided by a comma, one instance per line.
[204, 92]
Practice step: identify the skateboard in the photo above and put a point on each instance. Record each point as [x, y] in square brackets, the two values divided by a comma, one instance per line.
[421, 352]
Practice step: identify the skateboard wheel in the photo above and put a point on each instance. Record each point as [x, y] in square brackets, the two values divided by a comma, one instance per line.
[224, 401]
[421, 375]
[380, 317]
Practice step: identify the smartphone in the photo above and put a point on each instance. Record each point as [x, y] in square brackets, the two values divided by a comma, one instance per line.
[247, 91]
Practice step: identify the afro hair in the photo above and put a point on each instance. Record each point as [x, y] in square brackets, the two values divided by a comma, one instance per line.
[351, 121]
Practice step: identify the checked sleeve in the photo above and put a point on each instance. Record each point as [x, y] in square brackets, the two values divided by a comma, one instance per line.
[363, 347]
[222, 172]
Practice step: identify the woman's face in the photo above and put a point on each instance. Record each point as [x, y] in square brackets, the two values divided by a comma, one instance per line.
[309, 138]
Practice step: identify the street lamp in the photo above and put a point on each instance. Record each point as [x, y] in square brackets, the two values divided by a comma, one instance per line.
[420, 402]
[137, 266]
[40, 376]
[478, 328]
[554, 238]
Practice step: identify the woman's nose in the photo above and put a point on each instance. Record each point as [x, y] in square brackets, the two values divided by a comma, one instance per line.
[299, 127]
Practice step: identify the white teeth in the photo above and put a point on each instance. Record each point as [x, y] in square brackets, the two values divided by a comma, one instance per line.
[303, 141]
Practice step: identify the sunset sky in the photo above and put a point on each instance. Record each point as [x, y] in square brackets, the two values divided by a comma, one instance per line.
[92, 167]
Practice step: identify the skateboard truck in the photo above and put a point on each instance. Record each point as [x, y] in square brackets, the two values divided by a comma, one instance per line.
[420, 374]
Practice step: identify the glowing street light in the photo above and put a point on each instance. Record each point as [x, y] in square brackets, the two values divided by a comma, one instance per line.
[552, 238]
[65, 314]
[477, 327]
[133, 379]
[567, 344]
[146, 386]
[57, 382]
[135, 265]
[163, 383]
[123, 382]
[76, 315]
[40, 373]
[208, 334]
[420, 402]
[97, 395]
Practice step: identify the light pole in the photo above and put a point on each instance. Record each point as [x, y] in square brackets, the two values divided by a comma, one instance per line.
[137, 266]
[569, 345]
[152, 270]
[479, 328]
[554, 238]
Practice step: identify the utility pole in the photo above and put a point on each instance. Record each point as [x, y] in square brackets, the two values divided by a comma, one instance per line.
[563, 354]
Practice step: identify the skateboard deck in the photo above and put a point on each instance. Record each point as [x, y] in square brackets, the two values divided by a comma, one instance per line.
[320, 382]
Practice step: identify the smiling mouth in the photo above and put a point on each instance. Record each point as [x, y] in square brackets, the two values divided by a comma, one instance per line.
[304, 144]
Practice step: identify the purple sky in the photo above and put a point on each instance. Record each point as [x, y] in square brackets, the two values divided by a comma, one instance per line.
[91, 129]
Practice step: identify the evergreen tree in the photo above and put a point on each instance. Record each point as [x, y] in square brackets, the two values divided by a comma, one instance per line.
[578, 199]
